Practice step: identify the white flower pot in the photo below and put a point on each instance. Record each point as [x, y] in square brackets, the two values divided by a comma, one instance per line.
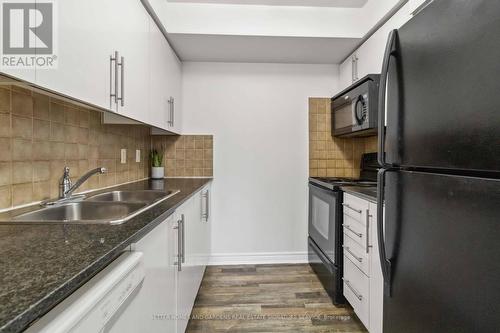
[157, 172]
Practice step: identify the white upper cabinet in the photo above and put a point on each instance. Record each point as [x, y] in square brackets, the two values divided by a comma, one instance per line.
[174, 90]
[368, 57]
[132, 44]
[159, 102]
[28, 74]
[143, 83]
[165, 109]
[165, 83]
[85, 36]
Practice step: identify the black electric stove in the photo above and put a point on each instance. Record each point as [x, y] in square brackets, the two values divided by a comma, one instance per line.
[325, 224]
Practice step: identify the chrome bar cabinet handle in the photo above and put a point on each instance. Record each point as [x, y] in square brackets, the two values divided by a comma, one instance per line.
[368, 230]
[122, 88]
[206, 214]
[354, 291]
[183, 233]
[179, 246]
[170, 121]
[113, 93]
[359, 211]
[173, 111]
[352, 253]
[348, 227]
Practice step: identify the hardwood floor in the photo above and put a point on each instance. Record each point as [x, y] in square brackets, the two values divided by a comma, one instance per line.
[267, 298]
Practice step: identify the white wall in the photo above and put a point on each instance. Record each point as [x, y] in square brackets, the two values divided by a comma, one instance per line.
[258, 114]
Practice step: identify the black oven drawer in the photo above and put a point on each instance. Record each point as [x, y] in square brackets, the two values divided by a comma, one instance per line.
[329, 274]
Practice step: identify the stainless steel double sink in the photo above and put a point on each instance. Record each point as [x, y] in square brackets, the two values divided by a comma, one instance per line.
[114, 207]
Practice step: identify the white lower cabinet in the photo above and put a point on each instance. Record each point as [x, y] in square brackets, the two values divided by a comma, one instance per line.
[154, 308]
[356, 291]
[363, 281]
[376, 278]
[195, 246]
[176, 253]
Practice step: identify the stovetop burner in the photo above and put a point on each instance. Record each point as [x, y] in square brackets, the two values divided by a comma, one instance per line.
[345, 181]
[336, 183]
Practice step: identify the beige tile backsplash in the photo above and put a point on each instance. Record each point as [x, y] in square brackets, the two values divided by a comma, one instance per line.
[186, 155]
[39, 135]
[330, 156]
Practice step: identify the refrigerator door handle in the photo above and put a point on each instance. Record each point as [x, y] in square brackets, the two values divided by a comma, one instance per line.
[384, 261]
[390, 51]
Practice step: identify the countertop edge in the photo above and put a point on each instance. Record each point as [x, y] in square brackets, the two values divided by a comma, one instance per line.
[360, 195]
[52, 299]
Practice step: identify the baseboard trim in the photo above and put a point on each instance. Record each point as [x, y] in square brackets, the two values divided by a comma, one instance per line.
[258, 258]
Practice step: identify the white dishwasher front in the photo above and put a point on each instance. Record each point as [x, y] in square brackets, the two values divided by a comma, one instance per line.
[97, 305]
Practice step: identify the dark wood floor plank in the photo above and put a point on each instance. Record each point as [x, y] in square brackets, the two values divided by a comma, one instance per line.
[267, 298]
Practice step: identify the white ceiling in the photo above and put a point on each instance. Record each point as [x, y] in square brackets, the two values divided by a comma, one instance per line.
[304, 3]
[261, 49]
[230, 31]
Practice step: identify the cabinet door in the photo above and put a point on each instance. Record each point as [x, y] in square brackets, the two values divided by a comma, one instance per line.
[345, 74]
[154, 307]
[23, 74]
[132, 42]
[376, 279]
[187, 281]
[198, 237]
[172, 82]
[159, 107]
[85, 36]
[206, 221]
[371, 53]
[193, 267]
[174, 89]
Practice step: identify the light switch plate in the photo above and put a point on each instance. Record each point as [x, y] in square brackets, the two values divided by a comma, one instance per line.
[123, 154]
[138, 156]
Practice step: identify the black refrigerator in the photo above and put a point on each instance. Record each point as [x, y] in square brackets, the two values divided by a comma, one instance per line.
[440, 178]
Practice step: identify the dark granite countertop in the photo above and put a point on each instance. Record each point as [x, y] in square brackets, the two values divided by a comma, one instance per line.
[40, 265]
[367, 193]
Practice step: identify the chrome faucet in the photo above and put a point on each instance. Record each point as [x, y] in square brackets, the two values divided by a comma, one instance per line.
[66, 187]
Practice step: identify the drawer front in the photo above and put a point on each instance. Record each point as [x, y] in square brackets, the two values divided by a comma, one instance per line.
[356, 231]
[355, 208]
[357, 290]
[357, 254]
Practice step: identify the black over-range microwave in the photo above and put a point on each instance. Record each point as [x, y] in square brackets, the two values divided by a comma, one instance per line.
[354, 110]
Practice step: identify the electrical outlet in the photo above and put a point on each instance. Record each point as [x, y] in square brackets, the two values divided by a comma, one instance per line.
[138, 156]
[123, 154]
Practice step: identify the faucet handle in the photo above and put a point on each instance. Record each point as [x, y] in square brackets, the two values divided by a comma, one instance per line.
[66, 171]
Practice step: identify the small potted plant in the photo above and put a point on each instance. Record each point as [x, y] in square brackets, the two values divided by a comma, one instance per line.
[157, 168]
